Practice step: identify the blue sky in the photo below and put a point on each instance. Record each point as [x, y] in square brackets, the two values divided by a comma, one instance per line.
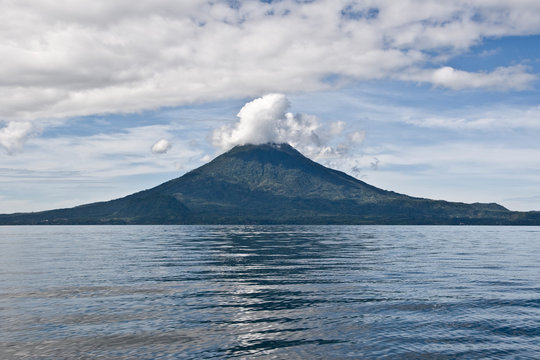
[432, 99]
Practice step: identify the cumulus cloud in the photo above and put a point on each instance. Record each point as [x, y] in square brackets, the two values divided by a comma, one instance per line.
[74, 59]
[13, 135]
[161, 146]
[266, 119]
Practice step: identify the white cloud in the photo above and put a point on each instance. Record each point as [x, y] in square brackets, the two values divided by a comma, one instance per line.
[495, 118]
[161, 146]
[502, 78]
[107, 166]
[336, 128]
[70, 58]
[357, 137]
[266, 119]
[14, 134]
[465, 171]
[105, 155]
[77, 58]
[459, 171]
[259, 122]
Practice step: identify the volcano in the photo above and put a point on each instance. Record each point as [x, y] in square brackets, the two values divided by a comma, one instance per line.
[272, 184]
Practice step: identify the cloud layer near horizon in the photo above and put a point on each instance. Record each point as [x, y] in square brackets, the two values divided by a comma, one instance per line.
[64, 59]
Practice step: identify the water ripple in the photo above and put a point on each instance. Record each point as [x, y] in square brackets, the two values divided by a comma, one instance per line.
[269, 292]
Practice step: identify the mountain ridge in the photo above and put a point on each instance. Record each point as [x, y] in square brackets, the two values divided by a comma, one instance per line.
[272, 184]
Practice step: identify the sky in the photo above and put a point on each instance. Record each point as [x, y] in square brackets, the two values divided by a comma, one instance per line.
[435, 99]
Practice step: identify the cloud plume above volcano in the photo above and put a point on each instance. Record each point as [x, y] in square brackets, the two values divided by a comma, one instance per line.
[267, 119]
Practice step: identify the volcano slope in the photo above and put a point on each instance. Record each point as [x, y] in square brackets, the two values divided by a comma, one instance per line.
[272, 184]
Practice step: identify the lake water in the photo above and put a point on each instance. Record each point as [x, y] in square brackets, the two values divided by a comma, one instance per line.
[283, 292]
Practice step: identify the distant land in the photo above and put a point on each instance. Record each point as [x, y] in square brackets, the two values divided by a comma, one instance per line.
[272, 184]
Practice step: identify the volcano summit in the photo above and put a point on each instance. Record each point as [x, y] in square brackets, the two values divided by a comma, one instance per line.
[272, 184]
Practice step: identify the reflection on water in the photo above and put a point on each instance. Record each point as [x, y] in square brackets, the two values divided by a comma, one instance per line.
[159, 292]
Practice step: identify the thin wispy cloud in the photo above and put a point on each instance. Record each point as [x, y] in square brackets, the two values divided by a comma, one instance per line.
[501, 79]
[483, 119]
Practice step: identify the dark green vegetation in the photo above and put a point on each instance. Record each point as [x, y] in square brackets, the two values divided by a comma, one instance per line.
[272, 184]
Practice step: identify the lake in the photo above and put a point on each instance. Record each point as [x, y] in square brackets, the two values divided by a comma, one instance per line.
[269, 292]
